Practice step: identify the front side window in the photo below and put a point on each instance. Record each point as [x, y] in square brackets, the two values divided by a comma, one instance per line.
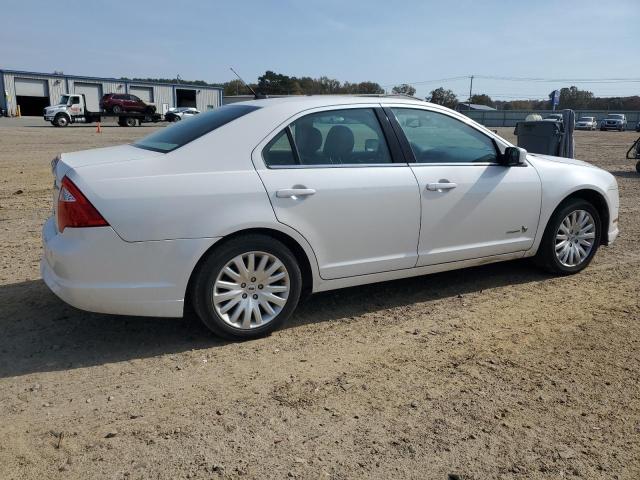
[334, 137]
[438, 138]
[180, 133]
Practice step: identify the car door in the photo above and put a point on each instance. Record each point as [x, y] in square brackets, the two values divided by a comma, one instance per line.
[338, 177]
[135, 104]
[472, 206]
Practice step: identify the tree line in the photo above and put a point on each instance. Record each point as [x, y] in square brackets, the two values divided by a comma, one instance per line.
[570, 97]
[273, 83]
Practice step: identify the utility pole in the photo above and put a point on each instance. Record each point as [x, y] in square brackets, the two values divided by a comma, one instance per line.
[470, 91]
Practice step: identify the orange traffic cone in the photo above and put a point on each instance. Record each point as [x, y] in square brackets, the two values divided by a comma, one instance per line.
[98, 128]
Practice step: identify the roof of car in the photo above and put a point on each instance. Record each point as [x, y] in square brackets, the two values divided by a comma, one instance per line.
[311, 101]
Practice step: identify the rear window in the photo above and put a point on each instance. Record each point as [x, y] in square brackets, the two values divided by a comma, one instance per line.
[184, 132]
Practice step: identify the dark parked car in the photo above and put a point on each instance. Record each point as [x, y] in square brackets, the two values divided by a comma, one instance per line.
[124, 102]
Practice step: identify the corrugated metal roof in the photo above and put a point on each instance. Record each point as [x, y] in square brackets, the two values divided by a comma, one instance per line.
[106, 79]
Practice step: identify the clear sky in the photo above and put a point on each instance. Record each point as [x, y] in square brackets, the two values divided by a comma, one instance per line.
[386, 42]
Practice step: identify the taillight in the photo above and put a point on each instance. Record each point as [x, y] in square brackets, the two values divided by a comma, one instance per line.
[74, 210]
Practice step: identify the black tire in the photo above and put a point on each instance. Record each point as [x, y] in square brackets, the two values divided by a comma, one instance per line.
[210, 268]
[116, 109]
[61, 120]
[638, 167]
[129, 122]
[546, 256]
[176, 119]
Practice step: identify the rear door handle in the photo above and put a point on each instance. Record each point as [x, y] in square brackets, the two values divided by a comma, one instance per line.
[438, 187]
[294, 192]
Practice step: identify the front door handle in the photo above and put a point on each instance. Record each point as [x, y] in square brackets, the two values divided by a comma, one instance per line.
[440, 186]
[294, 192]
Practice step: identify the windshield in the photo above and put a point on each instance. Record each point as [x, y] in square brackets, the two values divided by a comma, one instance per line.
[64, 99]
[615, 116]
[181, 133]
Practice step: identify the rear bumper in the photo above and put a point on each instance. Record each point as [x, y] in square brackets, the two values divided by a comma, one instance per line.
[93, 269]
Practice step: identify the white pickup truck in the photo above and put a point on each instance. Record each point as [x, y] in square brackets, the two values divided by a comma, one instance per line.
[73, 109]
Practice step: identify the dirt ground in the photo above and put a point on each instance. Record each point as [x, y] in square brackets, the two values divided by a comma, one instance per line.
[492, 372]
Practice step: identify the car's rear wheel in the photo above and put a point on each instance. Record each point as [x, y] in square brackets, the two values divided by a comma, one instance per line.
[247, 287]
[571, 238]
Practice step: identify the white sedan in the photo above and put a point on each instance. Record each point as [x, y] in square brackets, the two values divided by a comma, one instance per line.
[586, 123]
[243, 209]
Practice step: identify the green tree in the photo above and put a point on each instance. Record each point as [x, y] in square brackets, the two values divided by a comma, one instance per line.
[443, 97]
[369, 88]
[404, 89]
[575, 98]
[235, 87]
[482, 99]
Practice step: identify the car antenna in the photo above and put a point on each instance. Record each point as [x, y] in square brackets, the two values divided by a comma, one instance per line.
[256, 96]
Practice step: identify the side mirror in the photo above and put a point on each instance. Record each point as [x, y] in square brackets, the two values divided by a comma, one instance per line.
[514, 157]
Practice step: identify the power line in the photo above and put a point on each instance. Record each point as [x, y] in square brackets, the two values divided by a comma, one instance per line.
[561, 80]
[437, 80]
[523, 79]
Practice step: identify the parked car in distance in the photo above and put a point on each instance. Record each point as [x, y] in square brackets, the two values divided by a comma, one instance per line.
[614, 121]
[638, 127]
[177, 114]
[586, 123]
[125, 102]
[554, 117]
[241, 210]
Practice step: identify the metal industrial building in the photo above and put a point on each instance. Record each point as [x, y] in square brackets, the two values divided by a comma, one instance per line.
[35, 91]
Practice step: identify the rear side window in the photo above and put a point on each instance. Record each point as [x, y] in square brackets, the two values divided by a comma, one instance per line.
[181, 133]
[334, 137]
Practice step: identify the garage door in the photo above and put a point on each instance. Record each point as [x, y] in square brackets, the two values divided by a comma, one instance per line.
[28, 87]
[92, 94]
[32, 96]
[145, 93]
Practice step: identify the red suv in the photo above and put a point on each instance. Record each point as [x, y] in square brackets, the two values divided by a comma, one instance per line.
[124, 102]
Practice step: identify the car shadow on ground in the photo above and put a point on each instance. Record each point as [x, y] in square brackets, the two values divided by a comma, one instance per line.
[41, 333]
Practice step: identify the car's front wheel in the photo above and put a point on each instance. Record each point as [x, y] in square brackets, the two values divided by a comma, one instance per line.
[247, 287]
[571, 238]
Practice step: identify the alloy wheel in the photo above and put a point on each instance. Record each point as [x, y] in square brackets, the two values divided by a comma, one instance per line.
[575, 238]
[251, 290]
